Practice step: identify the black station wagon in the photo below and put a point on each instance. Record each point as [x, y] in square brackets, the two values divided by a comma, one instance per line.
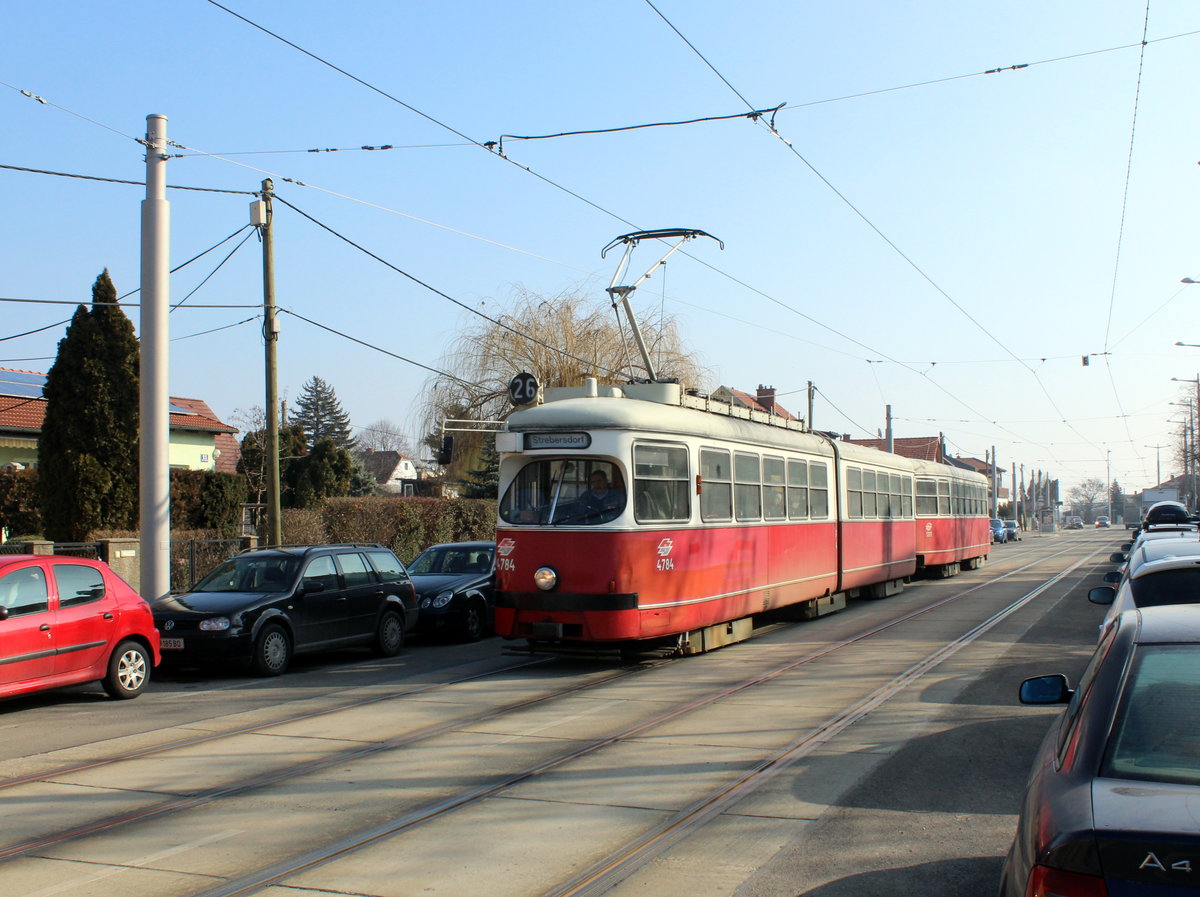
[264, 605]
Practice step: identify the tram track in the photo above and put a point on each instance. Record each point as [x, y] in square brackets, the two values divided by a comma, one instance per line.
[610, 870]
[427, 812]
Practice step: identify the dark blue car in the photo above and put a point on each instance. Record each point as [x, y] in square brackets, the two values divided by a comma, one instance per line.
[456, 588]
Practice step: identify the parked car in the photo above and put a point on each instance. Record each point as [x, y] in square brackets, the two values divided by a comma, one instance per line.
[1014, 530]
[265, 605]
[999, 533]
[1110, 805]
[1159, 571]
[69, 620]
[456, 588]
[1167, 513]
[1074, 523]
[1102, 521]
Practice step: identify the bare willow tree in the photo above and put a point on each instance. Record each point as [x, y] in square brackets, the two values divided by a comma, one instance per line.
[384, 436]
[561, 340]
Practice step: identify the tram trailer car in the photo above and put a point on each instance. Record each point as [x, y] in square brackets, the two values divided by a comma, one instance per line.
[633, 516]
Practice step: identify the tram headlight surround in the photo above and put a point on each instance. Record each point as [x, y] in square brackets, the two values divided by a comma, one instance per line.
[545, 578]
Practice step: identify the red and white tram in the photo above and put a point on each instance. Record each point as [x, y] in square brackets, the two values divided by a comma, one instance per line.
[639, 514]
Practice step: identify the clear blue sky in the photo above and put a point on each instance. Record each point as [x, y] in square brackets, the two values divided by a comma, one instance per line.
[995, 240]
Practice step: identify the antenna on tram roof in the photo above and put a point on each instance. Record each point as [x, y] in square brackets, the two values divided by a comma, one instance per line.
[621, 293]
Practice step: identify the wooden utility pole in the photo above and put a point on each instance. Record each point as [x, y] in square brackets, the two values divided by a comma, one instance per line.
[260, 216]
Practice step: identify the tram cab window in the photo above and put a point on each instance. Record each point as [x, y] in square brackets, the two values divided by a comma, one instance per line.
[797, 472]
[716, 483]
[818, 490]
[582, 491]
[747, 492]
[660, 483]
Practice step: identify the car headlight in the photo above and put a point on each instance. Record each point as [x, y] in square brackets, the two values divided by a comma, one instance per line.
[443, 598]
[545, 578]
[214, 624]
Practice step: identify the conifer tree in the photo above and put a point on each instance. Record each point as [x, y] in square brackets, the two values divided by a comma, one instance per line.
[320, 414]
[88, 446]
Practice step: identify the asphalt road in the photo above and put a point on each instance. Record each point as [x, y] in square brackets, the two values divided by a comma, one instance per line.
[892, 763]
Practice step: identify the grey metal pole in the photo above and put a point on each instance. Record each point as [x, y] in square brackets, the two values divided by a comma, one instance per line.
[154, 400]
[995, 486]
[890, 442]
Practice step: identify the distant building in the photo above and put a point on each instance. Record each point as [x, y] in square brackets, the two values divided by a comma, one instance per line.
[395, 474]
[762, 400]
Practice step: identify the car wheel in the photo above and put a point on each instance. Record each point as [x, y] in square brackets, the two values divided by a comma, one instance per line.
[474, 625]
[272, 651]
[128, 671]
[389, 638]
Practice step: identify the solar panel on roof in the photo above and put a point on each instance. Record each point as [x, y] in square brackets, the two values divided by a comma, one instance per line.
[27, 385]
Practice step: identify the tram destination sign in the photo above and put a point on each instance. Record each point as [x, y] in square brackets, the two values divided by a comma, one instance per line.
[557, 441]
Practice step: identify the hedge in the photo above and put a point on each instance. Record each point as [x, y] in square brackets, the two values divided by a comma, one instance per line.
[405, 525]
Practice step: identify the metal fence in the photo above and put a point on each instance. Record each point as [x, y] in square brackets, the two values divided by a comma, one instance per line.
[192, 558]
[79, 549]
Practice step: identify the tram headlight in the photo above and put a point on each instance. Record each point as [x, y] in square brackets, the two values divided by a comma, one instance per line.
[545, 578]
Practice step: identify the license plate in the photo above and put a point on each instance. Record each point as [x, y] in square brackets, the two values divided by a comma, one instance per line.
[172, 644]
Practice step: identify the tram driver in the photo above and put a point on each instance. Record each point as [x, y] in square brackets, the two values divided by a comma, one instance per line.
[602, 502]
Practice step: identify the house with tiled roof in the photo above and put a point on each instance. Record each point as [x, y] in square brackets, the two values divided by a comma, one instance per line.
[198, 440]
[762, 400]
[919, 448]
[394, 473]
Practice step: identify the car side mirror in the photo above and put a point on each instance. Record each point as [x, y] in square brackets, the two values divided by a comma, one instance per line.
[312, 585]
[1052, 689]
[1102, 595]
[1112, 576]
[1118, 557]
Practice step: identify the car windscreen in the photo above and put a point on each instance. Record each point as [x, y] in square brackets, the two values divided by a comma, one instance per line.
[251, 574]
[452, 561]
[1180, 586]
[1156, 735]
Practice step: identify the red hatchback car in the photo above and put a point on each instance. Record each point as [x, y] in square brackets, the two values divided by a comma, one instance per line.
[68, 620]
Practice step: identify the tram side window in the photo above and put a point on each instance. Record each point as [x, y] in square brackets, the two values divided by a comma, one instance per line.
[660, 483]
[774, 489]
[870, 502]
[927, 498]
[818, 490]
[943, 498]
[797, 490]
[716, 496]
[747, 492]
[906, 496]
[894, 495]
[854, 496]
